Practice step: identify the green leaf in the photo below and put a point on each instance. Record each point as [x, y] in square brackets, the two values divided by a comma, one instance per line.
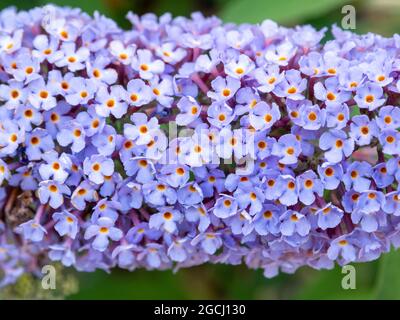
[388, 283]
[286, 11]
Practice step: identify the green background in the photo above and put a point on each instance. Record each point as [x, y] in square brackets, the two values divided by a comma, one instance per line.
[376, 280]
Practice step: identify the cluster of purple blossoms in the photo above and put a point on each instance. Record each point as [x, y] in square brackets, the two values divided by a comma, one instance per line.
[285, 153]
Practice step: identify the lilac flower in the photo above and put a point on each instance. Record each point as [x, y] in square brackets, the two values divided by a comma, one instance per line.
[330, 175]
[138, 93]
[72, 133]
[342, 247]
[166, 218]
[287, 148]
[52, 192]
[220, 115]
[362, 130]
[369, 96]
[73, 58]
[46, 49]
[97, 167]
[37, 143]
[238, 68]
[31, 230]
[263, 116]
[99, 73]
[111, 102]
[286, 153]
[307, 185]
[329, 216]
[63, 254]
[209, 242]
[269, 78]
[102, 230]
[225, 207]
[145, 65]
[330, 93]
[142, 130]
[224, 89]
[158, 194]
[81, 91]
[267, 221]
[389, 118]
[83, 193]
[390, 141]
[293, 222]
[357, 175]
[291, 86]
[336, 145]
[190, 194]
[56, 167]
[66, 224]
[189, 111]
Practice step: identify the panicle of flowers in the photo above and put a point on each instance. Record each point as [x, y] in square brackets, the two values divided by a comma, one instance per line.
[285, 152]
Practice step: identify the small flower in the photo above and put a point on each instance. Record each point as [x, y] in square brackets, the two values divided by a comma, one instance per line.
[362, 130]
[336, 145]
[329, 216]
[308, 184]
[138, 93]
[238, 68]
[293, 222]
[225, 207]
[102, 230]
[263, 116]
[112, 102]
[369, 96]
[357, 176]
[66, 224]
[142, 131]
[52, 192]
[97, 167]
[189, 111]
[330, 174]
[166, 218]
[31, 230]
[342, 247]
[287, 149]
[291, 86]
[72, 58]
[224, 88]
[146, 65]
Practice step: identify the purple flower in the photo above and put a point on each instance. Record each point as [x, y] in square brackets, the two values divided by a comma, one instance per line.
[146, 65]
[52, 192]
[287, 149]
[362, 130]
[102, 230]
[97, 167]
[308, 184]
[263, 116]
[224, 89]
[336, 145]
[329, 216]
[31, 230]
[357, 176]
[166, 219]
[291, 86]
[369, 96]
[226, 206]
[293, 222]
[66, 224]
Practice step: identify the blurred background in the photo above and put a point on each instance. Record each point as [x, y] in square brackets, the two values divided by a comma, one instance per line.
[376, 280]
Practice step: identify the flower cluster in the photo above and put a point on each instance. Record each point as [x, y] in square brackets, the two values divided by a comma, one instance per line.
[285, 150]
